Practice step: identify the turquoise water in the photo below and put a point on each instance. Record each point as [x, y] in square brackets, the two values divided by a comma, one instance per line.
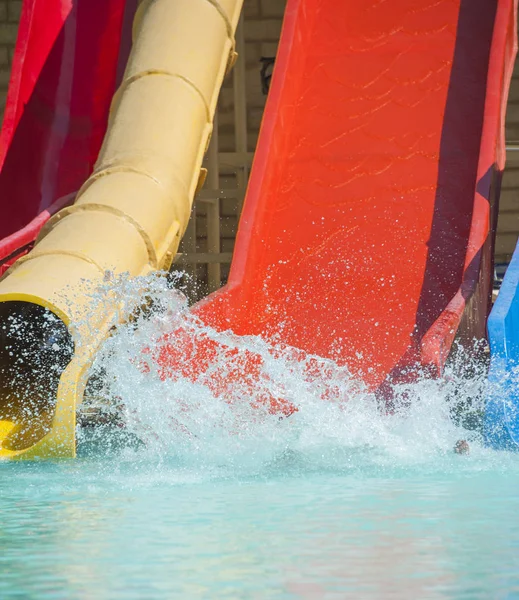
[138, 528]
[198, 496]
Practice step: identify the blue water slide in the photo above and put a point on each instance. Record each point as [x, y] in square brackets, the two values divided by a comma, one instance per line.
[501, 428]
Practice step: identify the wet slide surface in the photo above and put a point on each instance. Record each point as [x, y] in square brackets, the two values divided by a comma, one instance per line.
[362, 202]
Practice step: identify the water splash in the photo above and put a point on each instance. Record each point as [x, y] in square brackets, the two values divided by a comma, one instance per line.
[336, 421]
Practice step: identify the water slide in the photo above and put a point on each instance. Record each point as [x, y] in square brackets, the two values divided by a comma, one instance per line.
[501, 425]
[366, 235]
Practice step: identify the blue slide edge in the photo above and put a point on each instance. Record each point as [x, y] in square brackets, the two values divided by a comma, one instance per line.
[501, 425]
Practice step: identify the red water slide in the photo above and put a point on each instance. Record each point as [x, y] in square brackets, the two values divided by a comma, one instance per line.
[367, 223]
[69, 54]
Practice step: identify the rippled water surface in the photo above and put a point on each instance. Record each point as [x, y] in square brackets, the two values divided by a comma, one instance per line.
[134, 528]
[202, 495]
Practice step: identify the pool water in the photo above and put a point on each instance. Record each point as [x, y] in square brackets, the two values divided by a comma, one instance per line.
[132, 527]
[204, 497]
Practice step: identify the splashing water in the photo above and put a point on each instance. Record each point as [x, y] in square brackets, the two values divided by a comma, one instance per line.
[334, 421]
[201, 484]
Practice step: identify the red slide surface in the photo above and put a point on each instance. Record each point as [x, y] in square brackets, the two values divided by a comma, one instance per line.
[367, 218]
[64, 74]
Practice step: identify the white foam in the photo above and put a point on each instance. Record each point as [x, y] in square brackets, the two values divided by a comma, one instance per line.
[182, 419]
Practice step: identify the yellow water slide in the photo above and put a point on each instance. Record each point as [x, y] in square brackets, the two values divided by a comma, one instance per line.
[128, 217]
